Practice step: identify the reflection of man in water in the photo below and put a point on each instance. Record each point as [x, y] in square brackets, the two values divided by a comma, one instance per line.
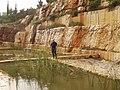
[53, 47]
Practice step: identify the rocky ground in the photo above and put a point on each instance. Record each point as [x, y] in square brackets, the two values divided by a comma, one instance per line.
[101, 67]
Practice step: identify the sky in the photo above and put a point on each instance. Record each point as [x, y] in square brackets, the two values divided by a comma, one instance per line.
[21, 4]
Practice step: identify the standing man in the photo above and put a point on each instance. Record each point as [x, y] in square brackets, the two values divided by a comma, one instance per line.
[53, 48]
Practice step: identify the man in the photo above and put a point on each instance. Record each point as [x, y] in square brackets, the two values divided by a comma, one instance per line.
[53, 48]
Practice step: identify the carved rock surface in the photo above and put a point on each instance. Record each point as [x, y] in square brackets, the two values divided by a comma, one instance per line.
[27, 20]
[7, 33]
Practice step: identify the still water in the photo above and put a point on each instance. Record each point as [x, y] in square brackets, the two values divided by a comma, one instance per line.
[49, 75]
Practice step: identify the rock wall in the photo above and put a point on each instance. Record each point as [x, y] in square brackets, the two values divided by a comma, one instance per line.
[94, 40]
[99, 36]
[7, 33]
[100, 17]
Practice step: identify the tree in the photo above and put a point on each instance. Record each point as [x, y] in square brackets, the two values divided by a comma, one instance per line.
[40, 4]
[10, 11]
[15, 16]
[50, 1]
[7, 8]
[15, 11]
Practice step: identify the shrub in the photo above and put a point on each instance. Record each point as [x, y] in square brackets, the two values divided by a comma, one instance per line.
[50, 1]
[53, 16]
[75, 24]
[38, 21]
[93, 5]
[55, 25]
[114, 3]
[74, 13]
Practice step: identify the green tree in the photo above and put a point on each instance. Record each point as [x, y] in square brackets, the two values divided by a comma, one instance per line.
[15, 16]
[40, 3]
[50, 1]
[93, 4]
[7, 8]
[10, 11]
[21, 14]
[15, 11]
[114, 3]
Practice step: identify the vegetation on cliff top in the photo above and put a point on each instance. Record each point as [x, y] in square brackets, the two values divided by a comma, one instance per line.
[93, 4]
[50, 1]
[113, 3]
[14, 15]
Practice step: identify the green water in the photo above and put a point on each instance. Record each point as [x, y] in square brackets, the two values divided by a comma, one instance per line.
[51, 75]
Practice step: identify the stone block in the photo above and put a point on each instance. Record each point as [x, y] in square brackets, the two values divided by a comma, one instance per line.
[63, 20]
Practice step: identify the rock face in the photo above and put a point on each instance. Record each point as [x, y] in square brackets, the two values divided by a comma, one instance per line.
[27, 20]
[95, 40]
[7, 33]
[99, 36]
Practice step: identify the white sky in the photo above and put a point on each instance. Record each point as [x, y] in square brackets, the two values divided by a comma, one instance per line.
[20, 4]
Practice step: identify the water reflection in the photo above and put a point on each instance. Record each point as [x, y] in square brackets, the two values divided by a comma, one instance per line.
[47, 75]
[50, 75]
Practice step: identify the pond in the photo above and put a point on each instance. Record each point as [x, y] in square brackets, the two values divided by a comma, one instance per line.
[44, 74]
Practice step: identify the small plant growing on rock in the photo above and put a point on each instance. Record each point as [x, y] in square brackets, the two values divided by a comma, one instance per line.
[75, 24]
[55, 25]
[113, 3]
[53, 16]
[38, 21]
[93, 5]
[74, 13]
[50, 1]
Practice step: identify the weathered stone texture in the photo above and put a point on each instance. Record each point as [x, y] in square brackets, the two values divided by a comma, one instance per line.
[99, 36]
[102, 17]
[27, 20]
[95, 40]
[63, 20]
[19, 37]
[44, 37]
[7, 33]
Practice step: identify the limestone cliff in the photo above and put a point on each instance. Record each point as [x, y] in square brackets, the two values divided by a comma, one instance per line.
[7, 33]
[98, 34]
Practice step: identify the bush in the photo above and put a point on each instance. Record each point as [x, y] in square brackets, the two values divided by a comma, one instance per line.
[53, 16]
[56, 25]
[16, 16]
[38, 21]
[50, 1]
[114, 3]
[93, 5]
[74, 13]
[75, 24]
